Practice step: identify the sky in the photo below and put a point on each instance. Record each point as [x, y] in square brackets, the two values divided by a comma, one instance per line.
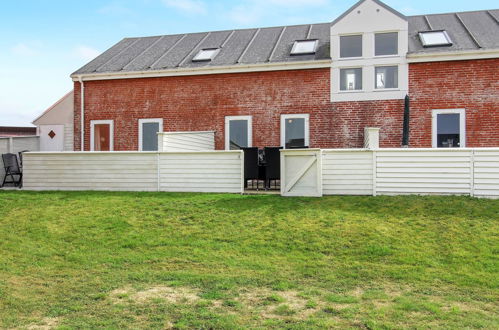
[43, 41]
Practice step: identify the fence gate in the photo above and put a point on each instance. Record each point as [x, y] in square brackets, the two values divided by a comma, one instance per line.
[301, 172]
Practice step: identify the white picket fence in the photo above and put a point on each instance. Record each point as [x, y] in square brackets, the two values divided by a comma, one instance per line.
[210, 171]
[464, 171]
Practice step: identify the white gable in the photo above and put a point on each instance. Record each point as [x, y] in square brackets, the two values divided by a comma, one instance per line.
[369, 16]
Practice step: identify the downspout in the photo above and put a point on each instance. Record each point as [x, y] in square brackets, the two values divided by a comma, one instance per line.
[82, 114]
[405, 129]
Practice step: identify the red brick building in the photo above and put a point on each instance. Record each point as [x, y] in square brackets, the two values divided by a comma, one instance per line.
[315, 85]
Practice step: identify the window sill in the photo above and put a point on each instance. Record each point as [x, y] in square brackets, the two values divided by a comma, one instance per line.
[352, 91]
[350, 58]
[387, 56]
[386, 90]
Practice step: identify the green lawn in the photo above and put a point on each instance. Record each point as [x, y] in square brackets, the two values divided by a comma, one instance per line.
[156, 260]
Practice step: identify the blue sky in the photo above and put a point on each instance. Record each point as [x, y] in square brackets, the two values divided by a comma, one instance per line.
[43, 41]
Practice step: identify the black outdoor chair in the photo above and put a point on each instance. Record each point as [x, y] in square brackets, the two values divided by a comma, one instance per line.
[20, 153]
[12, 170]
[250, 165]
[273, 165]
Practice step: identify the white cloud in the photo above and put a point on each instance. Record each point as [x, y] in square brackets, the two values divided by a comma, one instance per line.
[86, 53]
[187, 6]
[23, 49]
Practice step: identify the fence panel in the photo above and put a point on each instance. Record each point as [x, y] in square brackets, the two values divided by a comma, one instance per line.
[347, 172]
[424, 171]
[113, 171]
[215, 171]
[211, 171]
[486, 173]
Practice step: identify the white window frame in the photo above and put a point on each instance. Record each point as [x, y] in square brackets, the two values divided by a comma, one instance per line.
[111, 133]
[374, 44]
[351, 57]
[376, 78]
[149, 120]
[227, 126]
[462, 125]
[305, 116]
[297, 42]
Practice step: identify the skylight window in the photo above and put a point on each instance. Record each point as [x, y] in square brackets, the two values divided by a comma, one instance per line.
[302, 47]
[435, 38]
[206, 54]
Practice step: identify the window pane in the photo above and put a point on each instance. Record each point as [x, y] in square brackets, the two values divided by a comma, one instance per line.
[102, 137]
[238, 134]
[386, 44]
[351, 79]
[435, 38]
[351, 46]
[448, 133]
[387, 77]
[150, 136]
[294, 132]
[304, 47]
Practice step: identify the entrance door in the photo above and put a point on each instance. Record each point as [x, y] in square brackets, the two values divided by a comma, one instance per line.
[101, 135]
[51, 137]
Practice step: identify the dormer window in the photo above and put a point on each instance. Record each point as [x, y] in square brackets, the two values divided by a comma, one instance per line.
[435, 38]
[304, 47]
[351, 46]
[206, 54]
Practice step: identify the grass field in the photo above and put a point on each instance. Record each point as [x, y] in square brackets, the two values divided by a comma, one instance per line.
[158, 260]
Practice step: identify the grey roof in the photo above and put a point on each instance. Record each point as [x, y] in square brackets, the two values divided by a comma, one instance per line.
[471, 30]
[468, 31]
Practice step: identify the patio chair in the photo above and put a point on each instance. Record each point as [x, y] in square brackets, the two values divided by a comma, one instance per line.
[12, 170]
[250, 165]
[273, 165]
[20, 153]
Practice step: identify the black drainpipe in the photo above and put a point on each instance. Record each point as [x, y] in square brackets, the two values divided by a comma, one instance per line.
[405, 130]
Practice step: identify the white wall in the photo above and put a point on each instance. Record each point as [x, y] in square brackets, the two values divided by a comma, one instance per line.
[367, 19]
[215, 171]
[186, 141]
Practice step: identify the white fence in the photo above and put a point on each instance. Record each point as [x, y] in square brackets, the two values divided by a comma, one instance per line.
[465, 171]
[211, 171]
[186, 141]
[16, 144]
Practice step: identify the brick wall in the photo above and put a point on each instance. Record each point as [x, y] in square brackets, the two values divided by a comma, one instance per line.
[198, 103]
[471, 85]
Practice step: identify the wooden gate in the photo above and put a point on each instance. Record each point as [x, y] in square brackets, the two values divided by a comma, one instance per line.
[301, 172]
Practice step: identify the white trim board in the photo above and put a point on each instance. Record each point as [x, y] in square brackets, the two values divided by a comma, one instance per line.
[305, 116]
[149, 120]
[111, 133]
[260, 67]
[462, 125]
[250, 129]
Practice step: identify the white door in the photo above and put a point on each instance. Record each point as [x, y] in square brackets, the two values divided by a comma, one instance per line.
[51, 137]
